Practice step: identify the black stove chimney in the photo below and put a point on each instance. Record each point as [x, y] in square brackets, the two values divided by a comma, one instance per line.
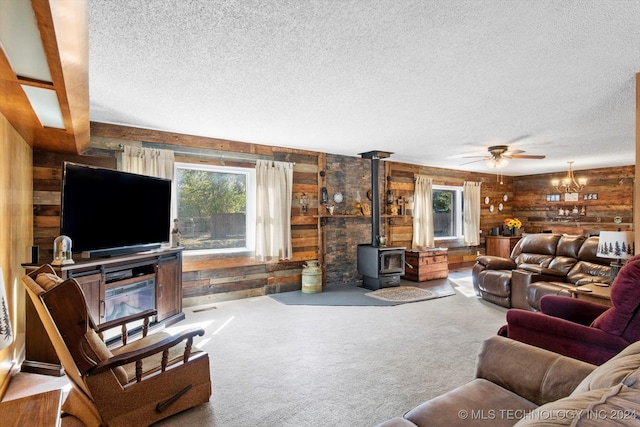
[375, 157]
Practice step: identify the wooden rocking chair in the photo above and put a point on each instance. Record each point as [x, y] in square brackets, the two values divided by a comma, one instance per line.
[134, 384]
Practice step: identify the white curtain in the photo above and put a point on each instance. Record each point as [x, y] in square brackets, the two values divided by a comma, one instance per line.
[274, 182]
[148, 161]
[423, 213]
[471, 225]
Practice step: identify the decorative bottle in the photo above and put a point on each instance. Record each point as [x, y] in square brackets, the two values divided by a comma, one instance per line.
[175, 234]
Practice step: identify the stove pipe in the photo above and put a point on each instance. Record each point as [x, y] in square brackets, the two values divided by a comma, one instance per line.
[375, 204]
[375, 157]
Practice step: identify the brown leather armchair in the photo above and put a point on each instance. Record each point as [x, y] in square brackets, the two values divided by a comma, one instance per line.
[518, 384]
[134, 384]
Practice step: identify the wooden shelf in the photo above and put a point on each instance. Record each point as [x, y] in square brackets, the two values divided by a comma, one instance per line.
[360, 216]
[342, 216]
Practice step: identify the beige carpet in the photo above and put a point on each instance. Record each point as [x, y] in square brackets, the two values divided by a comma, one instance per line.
[278, 365]
[402, 294]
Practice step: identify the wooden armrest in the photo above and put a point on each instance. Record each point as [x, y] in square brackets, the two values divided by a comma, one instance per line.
[124, 320]
[150, 350]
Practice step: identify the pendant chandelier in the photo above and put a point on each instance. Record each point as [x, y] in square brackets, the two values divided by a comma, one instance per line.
[569, 184]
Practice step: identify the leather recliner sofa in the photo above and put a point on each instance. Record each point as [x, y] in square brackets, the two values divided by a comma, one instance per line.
[540, 264]
[520, 385]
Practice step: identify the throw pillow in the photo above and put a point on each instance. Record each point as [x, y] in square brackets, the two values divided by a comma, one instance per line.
[98, 350]
[613, 371]
[48, 280]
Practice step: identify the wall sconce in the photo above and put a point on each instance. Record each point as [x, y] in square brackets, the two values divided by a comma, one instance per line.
[324, 196]
[569, 184]
[617, 245]
[304, 203]
[390, 197]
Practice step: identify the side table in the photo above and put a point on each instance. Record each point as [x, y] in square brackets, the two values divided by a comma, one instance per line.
[42, 409]
[501, 245]
[594, 293]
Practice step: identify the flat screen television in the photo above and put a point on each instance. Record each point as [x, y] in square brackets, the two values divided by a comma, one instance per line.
[107, 212]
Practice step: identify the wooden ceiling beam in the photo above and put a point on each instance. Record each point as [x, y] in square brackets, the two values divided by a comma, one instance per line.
[63, 26]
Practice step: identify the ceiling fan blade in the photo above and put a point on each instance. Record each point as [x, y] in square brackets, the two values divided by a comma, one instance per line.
[512, 152]
[474, 161]
[526, 156]
[484, 156]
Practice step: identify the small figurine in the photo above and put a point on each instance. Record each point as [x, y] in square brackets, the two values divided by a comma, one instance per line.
[175, 234]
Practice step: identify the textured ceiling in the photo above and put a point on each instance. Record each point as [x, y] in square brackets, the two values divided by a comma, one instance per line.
[429, 80]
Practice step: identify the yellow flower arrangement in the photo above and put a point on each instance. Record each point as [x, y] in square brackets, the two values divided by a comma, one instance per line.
[513, 223]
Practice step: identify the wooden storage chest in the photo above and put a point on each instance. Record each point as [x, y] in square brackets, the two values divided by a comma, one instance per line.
[426, 264]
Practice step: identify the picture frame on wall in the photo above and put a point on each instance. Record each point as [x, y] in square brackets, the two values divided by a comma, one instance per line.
[570, 197]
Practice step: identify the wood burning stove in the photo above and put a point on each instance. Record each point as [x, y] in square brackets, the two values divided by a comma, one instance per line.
[380, 266]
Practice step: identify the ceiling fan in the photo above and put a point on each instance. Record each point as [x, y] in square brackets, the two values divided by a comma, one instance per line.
[499, 156]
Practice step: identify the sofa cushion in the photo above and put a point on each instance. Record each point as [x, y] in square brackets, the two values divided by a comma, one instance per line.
[544, 244]
[612, 406]
[569, 246]
[562, 412]
[536, 290]
[540, 260]
[475, 403]
[496, 282]
[585, 272]
[613, 371]
[589, 251]
[620, 319]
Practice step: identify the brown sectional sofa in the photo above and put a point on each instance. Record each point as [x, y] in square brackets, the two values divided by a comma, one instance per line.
[526, 386]
[540, 264]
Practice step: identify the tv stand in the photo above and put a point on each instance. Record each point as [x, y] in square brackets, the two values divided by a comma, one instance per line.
[157, 274]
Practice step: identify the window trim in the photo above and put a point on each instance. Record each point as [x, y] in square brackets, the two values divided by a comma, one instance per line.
[250, 213]
[459, 210]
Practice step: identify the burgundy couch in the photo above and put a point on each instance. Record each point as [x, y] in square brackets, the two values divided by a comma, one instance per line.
[580, 329]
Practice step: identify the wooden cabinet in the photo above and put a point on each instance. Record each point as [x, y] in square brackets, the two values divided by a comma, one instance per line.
[501, 245]
[130, 282]
[427, 264]
[169, 286]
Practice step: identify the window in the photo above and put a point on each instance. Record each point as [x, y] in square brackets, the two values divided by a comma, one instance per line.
[447, 212]
[215, 207]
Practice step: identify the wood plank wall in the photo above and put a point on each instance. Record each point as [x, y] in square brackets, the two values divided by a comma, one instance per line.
[16, 236]
[47, 185]
[211, 278]
[214, 278]
[608, 195]
[400, 179]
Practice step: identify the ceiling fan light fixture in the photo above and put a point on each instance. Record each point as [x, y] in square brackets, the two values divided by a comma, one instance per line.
[497, 163]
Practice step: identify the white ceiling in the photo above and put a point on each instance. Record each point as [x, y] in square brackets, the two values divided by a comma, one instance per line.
[429, 80]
